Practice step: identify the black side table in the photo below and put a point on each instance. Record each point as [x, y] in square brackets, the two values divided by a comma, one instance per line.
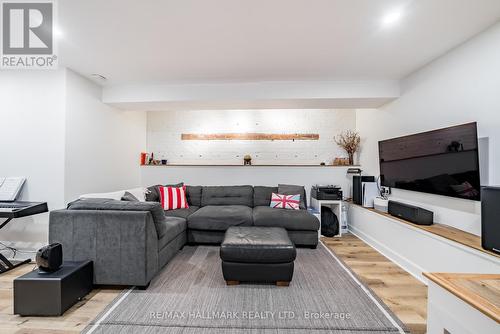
[52, 293]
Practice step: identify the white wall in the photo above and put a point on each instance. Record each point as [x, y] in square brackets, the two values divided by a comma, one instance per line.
[462, 86]
[103, 144]
[241, 175]
[253, 95]
[165, 129]
[32, 137]
[57, 134]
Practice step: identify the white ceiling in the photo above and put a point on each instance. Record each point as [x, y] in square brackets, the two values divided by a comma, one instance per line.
[203, 41]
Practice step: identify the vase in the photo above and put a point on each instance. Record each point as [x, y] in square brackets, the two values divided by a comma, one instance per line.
[351, 159]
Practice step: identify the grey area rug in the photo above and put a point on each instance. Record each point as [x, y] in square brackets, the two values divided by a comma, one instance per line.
[190, 296]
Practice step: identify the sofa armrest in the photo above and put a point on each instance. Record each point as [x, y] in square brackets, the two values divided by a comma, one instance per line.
[122, 244]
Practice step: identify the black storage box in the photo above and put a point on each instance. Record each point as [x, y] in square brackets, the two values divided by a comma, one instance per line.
[52, 293]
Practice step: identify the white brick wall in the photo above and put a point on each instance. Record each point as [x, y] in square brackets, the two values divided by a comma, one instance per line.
[164, 130]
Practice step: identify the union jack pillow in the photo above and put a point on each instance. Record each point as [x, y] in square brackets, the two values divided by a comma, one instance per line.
[173, 198]
[290, 202]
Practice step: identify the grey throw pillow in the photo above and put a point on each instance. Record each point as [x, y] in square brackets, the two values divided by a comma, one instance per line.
[129, 197]
[290, 189]
[262, 195]
[193, 195]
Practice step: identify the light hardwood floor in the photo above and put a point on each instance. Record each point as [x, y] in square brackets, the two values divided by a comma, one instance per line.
[405, 295]
[73, 321]
[402, 293]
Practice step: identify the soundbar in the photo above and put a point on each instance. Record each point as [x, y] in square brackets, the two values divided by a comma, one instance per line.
[411, 213]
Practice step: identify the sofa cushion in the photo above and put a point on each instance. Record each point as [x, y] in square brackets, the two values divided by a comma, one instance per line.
[220, 217]
[262, 195]
[153, 194]
[193, 194]
[227, 195]
[181, 213]
[113, 205]
[173, 227]
[289, 189]
[296, 220]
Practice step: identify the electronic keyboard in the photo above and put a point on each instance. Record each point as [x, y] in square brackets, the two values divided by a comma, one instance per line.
[19, 209]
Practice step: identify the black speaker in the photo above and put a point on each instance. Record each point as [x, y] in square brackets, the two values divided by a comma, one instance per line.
[490, 218]
[357, 187]
[49, 258]
[411, 213]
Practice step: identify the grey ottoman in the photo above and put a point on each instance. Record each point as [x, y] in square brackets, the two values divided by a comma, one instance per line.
[257, 254]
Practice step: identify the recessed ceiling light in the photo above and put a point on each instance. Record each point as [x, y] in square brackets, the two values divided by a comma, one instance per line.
[392, 17]
[58, 33]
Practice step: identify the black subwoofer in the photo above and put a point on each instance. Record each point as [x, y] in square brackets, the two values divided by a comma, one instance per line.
[490, 218]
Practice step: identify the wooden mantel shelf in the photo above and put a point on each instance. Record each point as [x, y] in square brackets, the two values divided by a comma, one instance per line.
[481, 291]
[249, 136]
[241, 165]
[442, 230]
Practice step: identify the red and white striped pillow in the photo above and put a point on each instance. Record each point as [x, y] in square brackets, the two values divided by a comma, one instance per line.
[173, 198]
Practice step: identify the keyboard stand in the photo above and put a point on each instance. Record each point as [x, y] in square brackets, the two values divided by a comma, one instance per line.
[31, 209]
[6, 264]
[5, 222]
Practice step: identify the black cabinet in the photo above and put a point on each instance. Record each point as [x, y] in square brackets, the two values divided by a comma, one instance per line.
[52, 294]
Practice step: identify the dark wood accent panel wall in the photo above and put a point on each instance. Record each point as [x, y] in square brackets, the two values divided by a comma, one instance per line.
[428, 143]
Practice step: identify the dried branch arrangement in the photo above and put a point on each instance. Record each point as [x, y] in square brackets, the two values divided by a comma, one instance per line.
[349, 141]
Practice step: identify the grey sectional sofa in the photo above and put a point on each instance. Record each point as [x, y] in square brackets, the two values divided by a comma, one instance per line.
[127, 241]
[130, 241]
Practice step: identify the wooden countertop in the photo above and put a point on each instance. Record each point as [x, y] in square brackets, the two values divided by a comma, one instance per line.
[481, 291]
[445, 231]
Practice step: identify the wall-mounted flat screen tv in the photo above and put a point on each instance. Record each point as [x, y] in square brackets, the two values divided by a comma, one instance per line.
[443, 162]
